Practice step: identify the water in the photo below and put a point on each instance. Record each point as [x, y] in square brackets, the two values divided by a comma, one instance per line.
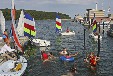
[46, 30]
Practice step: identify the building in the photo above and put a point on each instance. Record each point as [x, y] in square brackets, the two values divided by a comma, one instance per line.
[99, 15]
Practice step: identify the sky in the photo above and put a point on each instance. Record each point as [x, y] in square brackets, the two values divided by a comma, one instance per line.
[69, 7]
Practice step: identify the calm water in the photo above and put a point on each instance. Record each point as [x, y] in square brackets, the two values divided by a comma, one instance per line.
[46, 30]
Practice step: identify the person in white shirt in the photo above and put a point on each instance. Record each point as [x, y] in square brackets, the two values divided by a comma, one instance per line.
[6, 50]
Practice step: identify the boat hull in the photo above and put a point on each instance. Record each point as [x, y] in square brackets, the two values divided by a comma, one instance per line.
[68, 33]
[95, 37]
[41, 43]
[6, 66]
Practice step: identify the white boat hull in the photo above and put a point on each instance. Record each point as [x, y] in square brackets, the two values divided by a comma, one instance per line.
[95, 37]
[6, 66]
[1, 38]
[68, 33]
[40, 42]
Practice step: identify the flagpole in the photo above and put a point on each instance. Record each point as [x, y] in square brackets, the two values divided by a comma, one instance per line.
[98, 41]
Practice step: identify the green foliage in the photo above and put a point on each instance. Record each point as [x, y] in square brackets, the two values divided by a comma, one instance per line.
[38, 15]
[30, 50]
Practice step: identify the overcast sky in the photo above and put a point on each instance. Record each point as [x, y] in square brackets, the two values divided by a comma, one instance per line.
[70, 7]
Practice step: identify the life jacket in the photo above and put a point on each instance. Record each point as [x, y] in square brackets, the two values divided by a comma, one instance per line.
[6, 39]
[18, 67]
[44, 56]
[93, 61]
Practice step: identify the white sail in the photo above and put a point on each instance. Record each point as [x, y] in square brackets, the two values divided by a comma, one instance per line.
[2, 22]
[34, 25]
[20, 27]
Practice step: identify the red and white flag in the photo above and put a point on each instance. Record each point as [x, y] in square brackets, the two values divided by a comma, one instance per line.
[14, 33]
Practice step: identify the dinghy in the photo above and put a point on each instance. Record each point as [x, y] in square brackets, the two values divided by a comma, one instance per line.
[40, 42]
[59, 28]
[95, 37]
[13, 68]
[68, 33]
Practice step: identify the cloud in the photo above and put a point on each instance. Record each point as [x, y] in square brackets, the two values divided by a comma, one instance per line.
[84, 2]
[63, 1]
[76, 1]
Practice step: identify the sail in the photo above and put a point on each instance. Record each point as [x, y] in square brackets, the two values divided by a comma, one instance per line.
[20, 27]
[2, 22]
[13, 29]
[94, 24]
[29, 26]
[58, 24]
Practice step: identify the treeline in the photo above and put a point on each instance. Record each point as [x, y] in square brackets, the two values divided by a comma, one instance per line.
[37, 15]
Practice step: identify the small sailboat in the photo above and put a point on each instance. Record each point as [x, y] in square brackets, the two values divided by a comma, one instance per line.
[68, 32]
[11, 67]
[59, 28]
[2, 23]
[30, 31]
[8, 68]
[94, 34]
[95, 37]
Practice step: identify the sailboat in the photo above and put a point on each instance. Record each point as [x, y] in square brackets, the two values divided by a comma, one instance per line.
[30, 31]
[94, 34]
[11, 67]
[2, 23]
[40, 42]
[59, 28]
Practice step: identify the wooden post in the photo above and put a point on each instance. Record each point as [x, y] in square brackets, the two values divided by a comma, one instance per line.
[84, 38]
[98, 41]
[103, 28]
